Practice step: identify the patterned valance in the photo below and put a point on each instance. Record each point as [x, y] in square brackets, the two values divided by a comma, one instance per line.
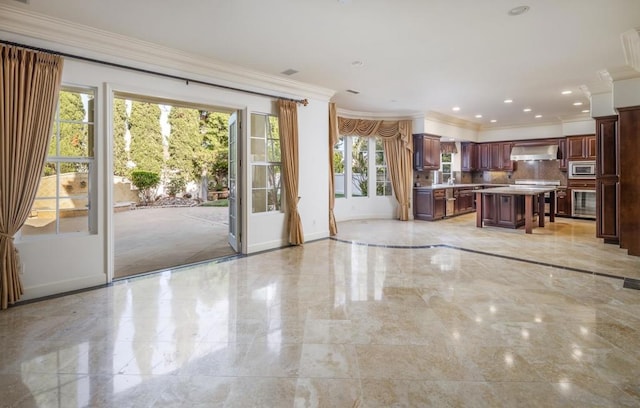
[384, 129]
[448, 147]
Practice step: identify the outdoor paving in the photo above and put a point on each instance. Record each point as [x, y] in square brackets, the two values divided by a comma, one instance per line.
[153, 239]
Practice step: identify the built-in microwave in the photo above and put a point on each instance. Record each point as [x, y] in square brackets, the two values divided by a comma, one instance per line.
[582, 169]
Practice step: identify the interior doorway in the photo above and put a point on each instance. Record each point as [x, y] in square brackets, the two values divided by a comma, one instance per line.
[174, 176]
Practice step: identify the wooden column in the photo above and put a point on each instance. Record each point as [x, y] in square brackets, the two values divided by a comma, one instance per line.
[528, 214]
[629, 125]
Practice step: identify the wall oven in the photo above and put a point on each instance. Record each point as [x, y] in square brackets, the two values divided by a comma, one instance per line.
[582, 169]
[583, 204]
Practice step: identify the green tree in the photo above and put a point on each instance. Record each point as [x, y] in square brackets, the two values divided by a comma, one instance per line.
[120, 154]
[146, 147]
[185, 143]
[215, 144]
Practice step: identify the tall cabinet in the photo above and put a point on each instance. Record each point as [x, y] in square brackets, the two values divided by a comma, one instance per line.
[629, 127]
[607, 179]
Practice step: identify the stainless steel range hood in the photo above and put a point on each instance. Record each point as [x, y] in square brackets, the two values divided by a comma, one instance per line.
[541, 152]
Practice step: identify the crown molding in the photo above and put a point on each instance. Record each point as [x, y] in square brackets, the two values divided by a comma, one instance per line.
[345, 113]
[631, 47]
[451, 120]
[99, 44]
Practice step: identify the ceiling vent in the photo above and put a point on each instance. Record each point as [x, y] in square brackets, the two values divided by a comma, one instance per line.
[289, 72]
[353, 91]
[23, 1]
[631, 47]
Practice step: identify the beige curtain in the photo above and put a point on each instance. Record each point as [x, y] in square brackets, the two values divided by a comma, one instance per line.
[400, 163]
[399, 150]
[333, 139]
[288, 117]
[28, 94]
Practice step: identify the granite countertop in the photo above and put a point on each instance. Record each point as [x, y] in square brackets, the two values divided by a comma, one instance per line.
[519, 190]
[461, 185]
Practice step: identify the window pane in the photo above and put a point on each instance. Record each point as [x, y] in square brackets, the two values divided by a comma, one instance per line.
[338, 167]
[258, 126]
[258, 150]
[273, 153]
[360, 167]
[259, 176]
[445, 157]
[42, 218]
[259, 200]
[273, 179]
[75, 140]
[446, 168]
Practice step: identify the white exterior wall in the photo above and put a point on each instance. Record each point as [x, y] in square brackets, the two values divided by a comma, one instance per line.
[62, 263]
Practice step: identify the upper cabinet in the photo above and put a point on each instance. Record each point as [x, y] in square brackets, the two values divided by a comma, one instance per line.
[469, 159]
[562, 154]
[581, 147]
[494, 156]
[426, 152]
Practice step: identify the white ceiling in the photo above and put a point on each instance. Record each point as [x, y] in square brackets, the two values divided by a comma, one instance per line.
[419, 56]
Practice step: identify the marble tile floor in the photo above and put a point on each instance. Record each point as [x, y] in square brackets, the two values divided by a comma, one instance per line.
[336, 324]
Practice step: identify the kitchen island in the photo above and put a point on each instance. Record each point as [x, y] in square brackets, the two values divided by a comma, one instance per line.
[513, 206]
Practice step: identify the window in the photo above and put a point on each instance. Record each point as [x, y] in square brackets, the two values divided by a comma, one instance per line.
[62, 203]
[359, 166]
[445, 166]
[383, 183]
[354, 178]
[266, 188]
[338, 167]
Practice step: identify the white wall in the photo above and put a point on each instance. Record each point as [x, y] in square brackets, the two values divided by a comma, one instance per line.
[580, 127]
[448, 131]
[64, 263]
[602, 105]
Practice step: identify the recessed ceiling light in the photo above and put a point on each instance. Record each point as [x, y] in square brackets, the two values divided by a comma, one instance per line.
[493, 121]
[357, 63]
[567, 92]
[585, 111]
[478, 116]
[577, 104]
[516, 11]
[526, 110]
[538, 116]
[508, 100]
[455, 108]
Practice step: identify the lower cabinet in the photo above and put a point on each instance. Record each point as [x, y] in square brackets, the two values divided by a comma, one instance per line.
[429, 204]
[503, 210]
[563, 202]
[464, 201]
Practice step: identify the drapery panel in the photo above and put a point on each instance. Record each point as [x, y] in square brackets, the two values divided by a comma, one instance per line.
[399, 151]
[29, 86]
[288, 123]
[333, 139]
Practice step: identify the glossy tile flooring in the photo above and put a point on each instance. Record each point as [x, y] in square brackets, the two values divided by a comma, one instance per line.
[337, 324]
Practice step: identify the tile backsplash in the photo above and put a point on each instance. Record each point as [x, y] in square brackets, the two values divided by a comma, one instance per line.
[536, 170]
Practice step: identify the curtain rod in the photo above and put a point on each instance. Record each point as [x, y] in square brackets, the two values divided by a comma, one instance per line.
[304, 102]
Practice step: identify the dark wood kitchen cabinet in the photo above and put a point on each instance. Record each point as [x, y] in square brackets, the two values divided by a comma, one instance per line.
[607, 179]
[505, 151]
[503, 210]
[563, 202]
[429, 204]
[581, 147]
[464, 200]
[495, 156]
[469, 153]
[426, 152]
[562, 154]
[484, 156]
